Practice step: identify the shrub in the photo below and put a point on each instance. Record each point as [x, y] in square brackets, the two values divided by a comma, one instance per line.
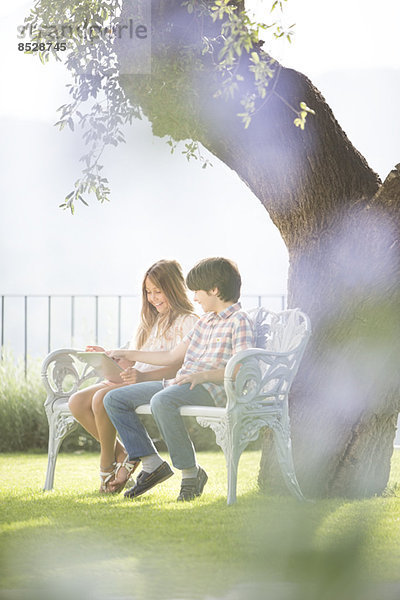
[23, 422]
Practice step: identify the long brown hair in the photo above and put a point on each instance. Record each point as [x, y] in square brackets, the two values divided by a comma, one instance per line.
[168, 277]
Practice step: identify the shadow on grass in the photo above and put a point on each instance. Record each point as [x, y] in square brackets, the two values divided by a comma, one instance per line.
[89, 546]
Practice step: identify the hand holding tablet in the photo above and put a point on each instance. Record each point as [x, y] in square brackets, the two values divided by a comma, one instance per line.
[103, 364]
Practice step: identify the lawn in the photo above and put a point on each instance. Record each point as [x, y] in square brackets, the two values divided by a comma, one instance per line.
[74, 543]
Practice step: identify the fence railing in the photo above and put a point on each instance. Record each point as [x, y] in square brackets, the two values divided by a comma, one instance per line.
[34, 325]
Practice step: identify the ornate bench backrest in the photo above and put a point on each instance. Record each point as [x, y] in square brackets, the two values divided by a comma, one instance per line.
[280, 332]
[268, 375]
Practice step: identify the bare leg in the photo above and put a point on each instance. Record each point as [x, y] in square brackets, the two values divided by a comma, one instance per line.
[87, 407]
[110, 446]
[81, 405]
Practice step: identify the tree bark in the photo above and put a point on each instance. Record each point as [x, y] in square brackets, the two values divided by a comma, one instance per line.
[341, 228]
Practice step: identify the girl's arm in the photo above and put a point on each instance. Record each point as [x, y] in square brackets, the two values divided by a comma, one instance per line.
[123, 363]
[161, 358]
[94, 349]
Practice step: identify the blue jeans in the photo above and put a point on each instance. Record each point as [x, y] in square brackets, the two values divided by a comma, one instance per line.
[165, 403]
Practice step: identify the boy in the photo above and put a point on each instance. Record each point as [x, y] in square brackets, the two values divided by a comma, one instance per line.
[222, 331]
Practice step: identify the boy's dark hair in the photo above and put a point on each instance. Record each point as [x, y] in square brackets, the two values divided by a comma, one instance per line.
[220, 273]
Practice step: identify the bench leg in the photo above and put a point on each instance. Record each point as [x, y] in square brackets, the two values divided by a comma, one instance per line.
[54, 446]
[60, 425]
[228, 437]
[285, 459]
[232, 457]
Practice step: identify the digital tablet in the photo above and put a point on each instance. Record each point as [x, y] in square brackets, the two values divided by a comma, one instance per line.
[103, 365]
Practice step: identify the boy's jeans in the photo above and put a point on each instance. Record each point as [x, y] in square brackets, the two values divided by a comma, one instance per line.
[121, 403]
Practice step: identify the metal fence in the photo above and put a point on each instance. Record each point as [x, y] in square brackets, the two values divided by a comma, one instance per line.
[34, 325]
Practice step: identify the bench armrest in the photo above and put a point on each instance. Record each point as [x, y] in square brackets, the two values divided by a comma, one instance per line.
[260, 376]
[63, 374]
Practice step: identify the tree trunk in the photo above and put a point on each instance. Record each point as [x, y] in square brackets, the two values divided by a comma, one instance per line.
[341, 228]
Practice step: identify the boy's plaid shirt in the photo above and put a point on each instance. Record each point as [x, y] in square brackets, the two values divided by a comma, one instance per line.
[212, 342]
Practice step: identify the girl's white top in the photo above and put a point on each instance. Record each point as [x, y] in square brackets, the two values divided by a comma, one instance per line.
[166, 341]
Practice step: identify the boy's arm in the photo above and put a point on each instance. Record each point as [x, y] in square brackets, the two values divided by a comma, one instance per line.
[160, 358]
[243, 335]
[213, 376]
[132, 375]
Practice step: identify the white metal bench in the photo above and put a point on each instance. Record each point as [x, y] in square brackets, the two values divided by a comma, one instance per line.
[257, 396]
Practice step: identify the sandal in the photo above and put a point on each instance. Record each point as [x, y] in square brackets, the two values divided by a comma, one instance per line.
[130, 467]
[106, 477]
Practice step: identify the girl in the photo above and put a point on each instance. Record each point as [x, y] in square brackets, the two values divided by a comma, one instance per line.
[166, 316]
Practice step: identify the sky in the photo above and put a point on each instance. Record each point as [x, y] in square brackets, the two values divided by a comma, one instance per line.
[161, 205]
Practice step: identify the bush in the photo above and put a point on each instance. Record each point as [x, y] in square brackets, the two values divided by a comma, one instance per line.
[23, 421]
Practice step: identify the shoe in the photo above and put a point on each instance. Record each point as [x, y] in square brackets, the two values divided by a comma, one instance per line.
[193, 486]
[117, 485]
[145, 481]
[106, 477]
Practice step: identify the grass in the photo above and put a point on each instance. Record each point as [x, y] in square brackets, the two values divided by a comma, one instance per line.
[74, 543]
